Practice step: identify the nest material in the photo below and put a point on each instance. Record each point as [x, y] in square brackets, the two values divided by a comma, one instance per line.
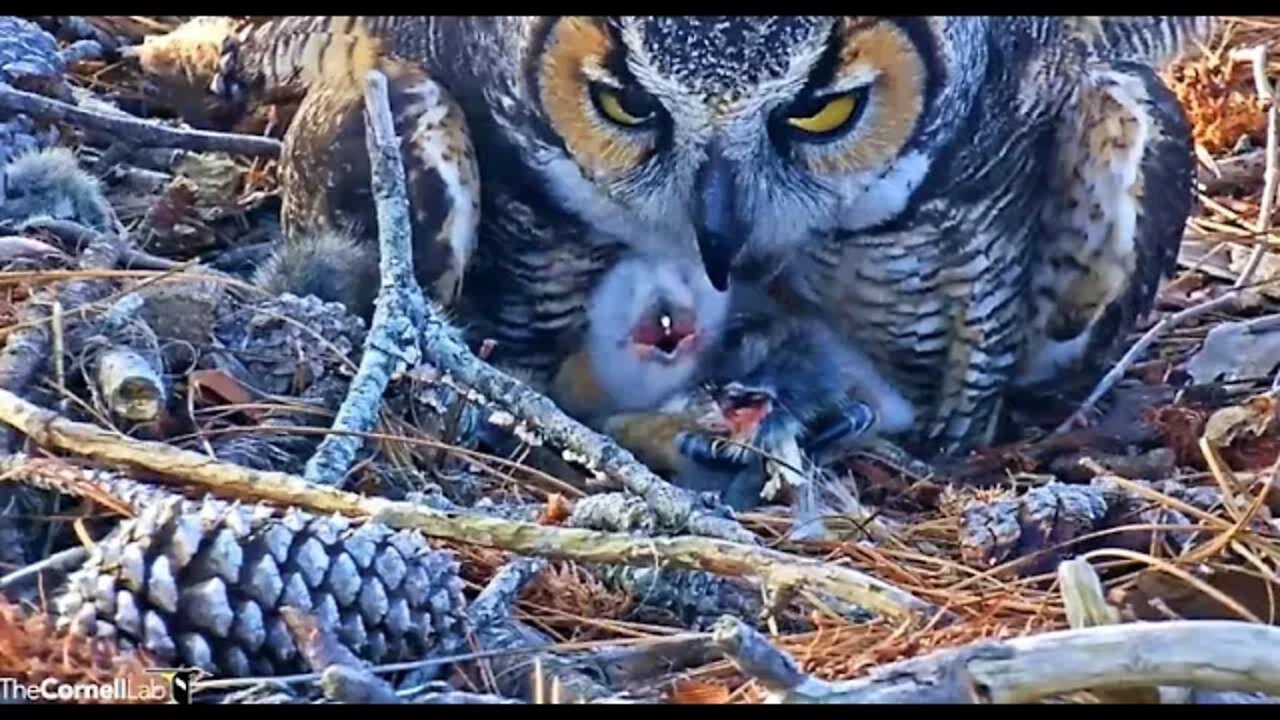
[286, 347]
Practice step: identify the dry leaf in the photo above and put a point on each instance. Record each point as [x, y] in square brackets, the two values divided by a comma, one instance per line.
[1155, 594]
[1238, 351]
[216, 178]
[557, 510]
[174, 208]
[1251, 418]
[218, 388]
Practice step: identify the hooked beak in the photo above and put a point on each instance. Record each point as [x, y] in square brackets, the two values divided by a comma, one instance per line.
[718, 226]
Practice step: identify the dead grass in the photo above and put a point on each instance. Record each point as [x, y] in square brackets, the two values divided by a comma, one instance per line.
[32, 651]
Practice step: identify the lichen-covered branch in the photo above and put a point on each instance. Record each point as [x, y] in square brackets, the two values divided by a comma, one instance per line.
[496, 602]
[771, 567]
[1209, 654]
[756, 657]
[140, 132]
[391, 343]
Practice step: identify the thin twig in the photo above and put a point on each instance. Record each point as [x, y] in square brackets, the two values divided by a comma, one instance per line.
[1270, 176]
[282, 680]
[81, 236]
[140, 132]
[57, 329]
[57, 562]
[1117, 373]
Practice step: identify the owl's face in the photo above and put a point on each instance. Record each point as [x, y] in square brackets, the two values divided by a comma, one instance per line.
[681, 135]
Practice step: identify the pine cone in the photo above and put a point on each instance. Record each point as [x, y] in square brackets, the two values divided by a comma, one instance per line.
[203, 583]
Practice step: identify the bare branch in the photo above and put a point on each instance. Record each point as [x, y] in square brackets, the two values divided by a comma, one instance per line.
[1207, 654]
[79, 236]
[1087, 606]
[140, 132]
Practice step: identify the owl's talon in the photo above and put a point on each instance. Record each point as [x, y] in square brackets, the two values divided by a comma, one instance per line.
[226, 84]
[850, 423]
[713, 452]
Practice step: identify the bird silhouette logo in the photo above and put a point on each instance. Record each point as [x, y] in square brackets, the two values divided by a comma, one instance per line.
[181, 683]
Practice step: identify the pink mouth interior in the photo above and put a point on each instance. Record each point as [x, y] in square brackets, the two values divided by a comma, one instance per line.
[669, 339]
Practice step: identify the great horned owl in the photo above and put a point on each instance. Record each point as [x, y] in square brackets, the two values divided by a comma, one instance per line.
[979, 202]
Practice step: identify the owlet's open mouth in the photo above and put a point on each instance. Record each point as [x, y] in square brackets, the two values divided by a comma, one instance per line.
[667, 333]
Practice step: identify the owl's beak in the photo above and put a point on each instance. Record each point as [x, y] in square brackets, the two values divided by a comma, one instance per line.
[717, 223]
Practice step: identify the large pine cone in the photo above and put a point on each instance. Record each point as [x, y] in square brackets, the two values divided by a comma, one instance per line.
[203, 583]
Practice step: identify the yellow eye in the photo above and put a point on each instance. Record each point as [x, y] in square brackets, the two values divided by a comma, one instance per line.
[822, 116]
[631, 107]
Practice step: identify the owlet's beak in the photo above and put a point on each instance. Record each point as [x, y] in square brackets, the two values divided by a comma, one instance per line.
[719, 227]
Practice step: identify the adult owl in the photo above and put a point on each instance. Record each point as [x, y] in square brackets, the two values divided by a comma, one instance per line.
[980, 203]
